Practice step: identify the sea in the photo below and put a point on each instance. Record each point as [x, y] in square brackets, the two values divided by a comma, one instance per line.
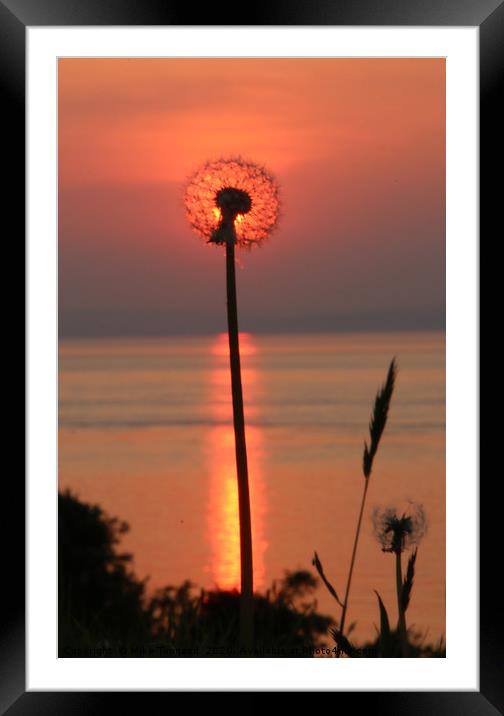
[145, 431]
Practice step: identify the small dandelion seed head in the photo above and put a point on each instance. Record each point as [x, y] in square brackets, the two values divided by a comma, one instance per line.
[232, 197]
[397, 528]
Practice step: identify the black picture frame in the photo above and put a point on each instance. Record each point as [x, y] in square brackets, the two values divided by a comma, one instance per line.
[15, 17]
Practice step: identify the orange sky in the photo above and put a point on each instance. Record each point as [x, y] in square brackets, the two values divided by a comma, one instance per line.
[357, 146]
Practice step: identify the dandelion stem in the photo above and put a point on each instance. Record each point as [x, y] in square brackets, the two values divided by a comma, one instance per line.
[246, 601]
[352, 561]
[401, 623]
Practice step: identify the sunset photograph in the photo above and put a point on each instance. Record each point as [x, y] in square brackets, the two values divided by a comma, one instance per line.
[251, 357]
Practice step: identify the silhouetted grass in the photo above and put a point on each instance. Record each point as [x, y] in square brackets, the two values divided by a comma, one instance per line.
[396, 532]
[376, 427]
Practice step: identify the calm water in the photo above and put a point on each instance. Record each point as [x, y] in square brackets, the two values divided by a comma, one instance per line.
[146, 431]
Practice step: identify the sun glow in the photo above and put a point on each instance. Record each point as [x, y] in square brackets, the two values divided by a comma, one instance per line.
[251, 180]
[223, 515]
[218, 216]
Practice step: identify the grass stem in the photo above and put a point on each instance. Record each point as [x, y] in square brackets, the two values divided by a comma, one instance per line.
[376, 428]
[352, 561]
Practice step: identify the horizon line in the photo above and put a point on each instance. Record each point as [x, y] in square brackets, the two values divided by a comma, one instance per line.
[264, 332]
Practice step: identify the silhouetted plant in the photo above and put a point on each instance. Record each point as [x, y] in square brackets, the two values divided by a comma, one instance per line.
[397, 530]
[376, 428]
[388, 643]
[173, 612]
[231, 203]
[96, 590]
[286, 621]
[103, 606]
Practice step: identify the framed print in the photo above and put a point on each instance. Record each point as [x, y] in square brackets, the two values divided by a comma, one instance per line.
[252, 354]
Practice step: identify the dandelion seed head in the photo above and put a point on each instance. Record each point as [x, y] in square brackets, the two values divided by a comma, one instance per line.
[232, 190]
[397, 528]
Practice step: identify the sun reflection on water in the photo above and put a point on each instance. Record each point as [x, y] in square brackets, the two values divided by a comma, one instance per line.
[223, 521]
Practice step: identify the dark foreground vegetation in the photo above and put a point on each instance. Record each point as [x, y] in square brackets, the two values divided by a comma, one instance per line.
[104, 609]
